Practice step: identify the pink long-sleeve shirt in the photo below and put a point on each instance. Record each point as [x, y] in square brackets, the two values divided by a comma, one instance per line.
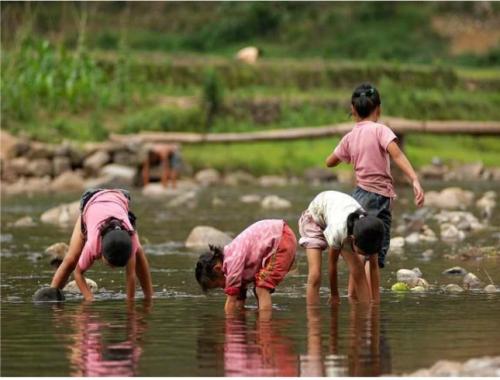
[365, 146]
[249, 252]
[104, 204]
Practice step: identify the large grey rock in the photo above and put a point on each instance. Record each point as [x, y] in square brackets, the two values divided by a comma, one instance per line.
[96, 161]
[490, 288]
[124, 174]
[407, 276]
[449, 198]
[239, 178]
[208, 177]
[72, 287]
[471, 281]
[273, 202]
[61, 164]
[48, 295]
[272, 181]
[458, 271]
[40, 167]
[63, 215]
[201, 236]
[68, 181]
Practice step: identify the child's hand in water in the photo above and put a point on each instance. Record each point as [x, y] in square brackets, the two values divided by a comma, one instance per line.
[419, 193]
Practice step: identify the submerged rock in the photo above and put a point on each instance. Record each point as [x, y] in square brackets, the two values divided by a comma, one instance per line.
[453, 288]
[471, 281]
[239, 178]
[272, 181]
[423, 283]
[273, 202]
[459, 271]
[427, 254]
[250, 198]
[63, 215]
[26, 221]
[490, 288]
[418, 289]
[201, 236]
[48, 295]
[396, 245]
[188, 199]
[72, 287]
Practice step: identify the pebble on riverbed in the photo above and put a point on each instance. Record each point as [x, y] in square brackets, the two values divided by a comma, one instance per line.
[453, 288]
[471, 281]
[72, 287]
[490, 288]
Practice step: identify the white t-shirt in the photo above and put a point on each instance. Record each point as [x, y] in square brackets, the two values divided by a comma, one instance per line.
[330, 210]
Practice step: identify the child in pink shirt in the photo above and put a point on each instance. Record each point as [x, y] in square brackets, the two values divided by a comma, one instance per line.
[105, 230]
[369, 147]
[262, 254]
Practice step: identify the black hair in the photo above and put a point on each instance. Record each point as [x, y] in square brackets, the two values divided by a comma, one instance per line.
[204, 271]
[116, 242]
[368, 231]
[365, 99]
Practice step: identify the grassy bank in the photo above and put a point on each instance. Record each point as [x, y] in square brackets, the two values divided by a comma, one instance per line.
[293, 157]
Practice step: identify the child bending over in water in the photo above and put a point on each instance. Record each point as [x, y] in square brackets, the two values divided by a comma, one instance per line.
[105, 229]
[369, 147]
[335, 220]
[262, 254]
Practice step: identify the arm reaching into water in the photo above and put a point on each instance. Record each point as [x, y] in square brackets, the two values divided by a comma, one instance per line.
[143, 273]
[333, 256]
[233, 304]
[400, 159]
[70, 261]
[130, 274]
[82, 284]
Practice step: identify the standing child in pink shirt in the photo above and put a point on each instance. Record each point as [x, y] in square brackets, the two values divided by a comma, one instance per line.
[369, 147]
[261, 255]
[105, 230]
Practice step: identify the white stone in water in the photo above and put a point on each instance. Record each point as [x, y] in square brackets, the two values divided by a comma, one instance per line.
[428, 253]
[201, 236]
[271, 181]
[72, 287]
[250, 198]
[417, 271]
[396, 245]
[423, 283]
[490, 288]
[413, 238]
[418, 289]
[407, 276]
[471, 281]
[451, 233]
[187, 199]
[26, 221]
[208, 177]
[427, 235]
[273, 202]
[453, 288]
[63, 215]
[57, 250]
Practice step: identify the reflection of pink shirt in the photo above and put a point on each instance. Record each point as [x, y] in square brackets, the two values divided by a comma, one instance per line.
[366, 148]
[104, 204]
[249, 251]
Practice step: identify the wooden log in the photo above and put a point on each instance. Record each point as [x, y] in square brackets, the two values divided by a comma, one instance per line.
[398, 125]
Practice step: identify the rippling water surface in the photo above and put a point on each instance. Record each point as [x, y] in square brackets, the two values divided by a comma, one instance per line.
[185, 333]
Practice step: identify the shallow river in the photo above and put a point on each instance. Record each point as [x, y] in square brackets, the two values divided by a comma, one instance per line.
[184, 333]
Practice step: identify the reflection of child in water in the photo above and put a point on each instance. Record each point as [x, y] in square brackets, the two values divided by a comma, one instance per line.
[168, 156]
[262, 254]
[92, 354]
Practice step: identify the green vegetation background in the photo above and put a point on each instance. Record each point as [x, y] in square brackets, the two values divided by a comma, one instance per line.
[81, 71]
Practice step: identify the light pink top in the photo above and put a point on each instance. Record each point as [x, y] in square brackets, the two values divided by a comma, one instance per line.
[366, 148]
[249, 252]
[100, 207]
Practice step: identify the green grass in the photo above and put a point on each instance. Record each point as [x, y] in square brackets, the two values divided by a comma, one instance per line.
[293, 157]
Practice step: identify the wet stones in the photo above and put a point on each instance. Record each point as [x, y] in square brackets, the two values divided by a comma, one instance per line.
[95, 161]
[490, 288]
[63, 215]
[56, 253]
[471, 281]
[239, 178]
[453, 288]
[487, 203]
[48, 295]
[455, 271]
[449, 198]
[201, 236]
[272, 181]
[250, 198]
[72, 287]
[451, 233]
[396, 245]
[273, 202]
[68, 181]
[407, 276]
[26, 221]
[208, 177]
[188, 199]
[479, 367]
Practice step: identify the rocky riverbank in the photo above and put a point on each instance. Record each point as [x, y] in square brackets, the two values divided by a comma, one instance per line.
[31, 167]
[487, 366]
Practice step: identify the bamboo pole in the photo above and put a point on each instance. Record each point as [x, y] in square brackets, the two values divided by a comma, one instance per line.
[398, 125]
